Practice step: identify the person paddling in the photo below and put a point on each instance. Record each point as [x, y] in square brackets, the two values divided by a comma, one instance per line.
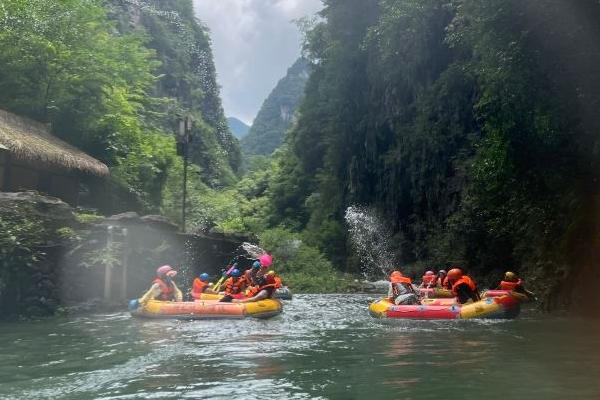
[163, 287]
[442, 279]
[278, 282]
[234, 286]
[428, 280]
[266, 288]
[512, 282]
[401, 290]
[201, 285]
[463, 286]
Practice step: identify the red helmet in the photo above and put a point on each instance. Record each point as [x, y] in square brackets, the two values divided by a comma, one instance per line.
[455, 274]
[429, 273]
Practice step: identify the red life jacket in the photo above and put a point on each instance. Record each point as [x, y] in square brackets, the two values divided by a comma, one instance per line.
[506, 285]
[198, 287]
[465, 279]
[266, 286]
[429, 280]
[167, 292]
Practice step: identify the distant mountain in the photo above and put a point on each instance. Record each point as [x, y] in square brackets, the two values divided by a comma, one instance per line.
[237, 127]
[277, 112]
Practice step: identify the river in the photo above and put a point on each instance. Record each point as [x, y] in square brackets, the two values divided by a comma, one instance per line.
[321, 347]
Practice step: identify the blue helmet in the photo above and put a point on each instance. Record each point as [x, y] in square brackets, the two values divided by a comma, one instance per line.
[236, 273]
[204, 277]
[256, 265]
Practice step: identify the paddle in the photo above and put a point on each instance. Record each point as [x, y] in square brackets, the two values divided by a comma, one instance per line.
[232, 265]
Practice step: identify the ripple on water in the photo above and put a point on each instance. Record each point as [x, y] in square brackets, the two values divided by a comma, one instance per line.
[323, 346]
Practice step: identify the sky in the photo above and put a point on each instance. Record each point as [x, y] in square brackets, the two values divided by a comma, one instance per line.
[254, 42]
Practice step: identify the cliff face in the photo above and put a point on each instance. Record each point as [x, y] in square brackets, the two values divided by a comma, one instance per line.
[187, 78]
[237, 127]
[277, 112]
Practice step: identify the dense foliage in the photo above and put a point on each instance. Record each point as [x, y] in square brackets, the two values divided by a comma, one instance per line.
[115, 78]
[277, 112]
[468, 124]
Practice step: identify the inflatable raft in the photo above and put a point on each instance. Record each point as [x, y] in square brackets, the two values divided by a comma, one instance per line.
[499, 293]
[505, 306]
[283, 293]
[435, 293]
[208, 309]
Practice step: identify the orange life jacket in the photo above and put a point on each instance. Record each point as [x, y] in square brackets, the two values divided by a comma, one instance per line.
[399, 279]
[167, 292]
[429, 280]
[198, 287]
[234, 286]
[506, 285]
[278, 282]
[252, 291]
[465, 279]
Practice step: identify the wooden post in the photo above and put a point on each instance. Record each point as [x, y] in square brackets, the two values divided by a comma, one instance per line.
[125, 256]
[108, 267]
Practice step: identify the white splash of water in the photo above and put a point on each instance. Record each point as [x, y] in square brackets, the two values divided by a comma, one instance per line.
[253, 250]
[371, 239]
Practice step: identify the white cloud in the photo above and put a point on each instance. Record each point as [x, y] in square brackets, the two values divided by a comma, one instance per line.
[254, 42]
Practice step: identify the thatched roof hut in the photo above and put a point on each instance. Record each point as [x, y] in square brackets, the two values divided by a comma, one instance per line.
[30, 141]
[32, 159]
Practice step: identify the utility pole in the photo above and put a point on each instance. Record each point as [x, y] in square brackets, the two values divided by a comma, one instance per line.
[185, 138]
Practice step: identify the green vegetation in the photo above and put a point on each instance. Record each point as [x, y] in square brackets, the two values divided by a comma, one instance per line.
[277, 112]
[115, 78]
[237, 127]
[468, 124]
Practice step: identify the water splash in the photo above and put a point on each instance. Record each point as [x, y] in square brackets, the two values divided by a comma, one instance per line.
[371, 239]
[253, 250]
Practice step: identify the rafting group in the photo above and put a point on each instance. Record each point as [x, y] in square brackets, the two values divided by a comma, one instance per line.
[450, 295]
[254, 292]
[235, 294]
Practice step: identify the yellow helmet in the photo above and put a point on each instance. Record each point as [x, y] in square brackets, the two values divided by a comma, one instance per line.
[510, 276]
[271, 272]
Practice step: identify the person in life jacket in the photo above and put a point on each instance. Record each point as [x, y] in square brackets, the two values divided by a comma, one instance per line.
[234, 286]
[201, 285]
[266, 288]
[278, 281]
[428, 280]
[163, 287]
[401, 291]
[463, 287]
[512, 282]
[251, 277]
[442, 279]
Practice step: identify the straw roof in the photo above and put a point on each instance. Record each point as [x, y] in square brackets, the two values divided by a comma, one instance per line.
[30, 141]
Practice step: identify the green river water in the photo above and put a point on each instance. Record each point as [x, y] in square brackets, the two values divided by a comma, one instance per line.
[321, 347]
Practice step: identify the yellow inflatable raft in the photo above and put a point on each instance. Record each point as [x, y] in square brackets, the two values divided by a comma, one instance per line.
[208, 309]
